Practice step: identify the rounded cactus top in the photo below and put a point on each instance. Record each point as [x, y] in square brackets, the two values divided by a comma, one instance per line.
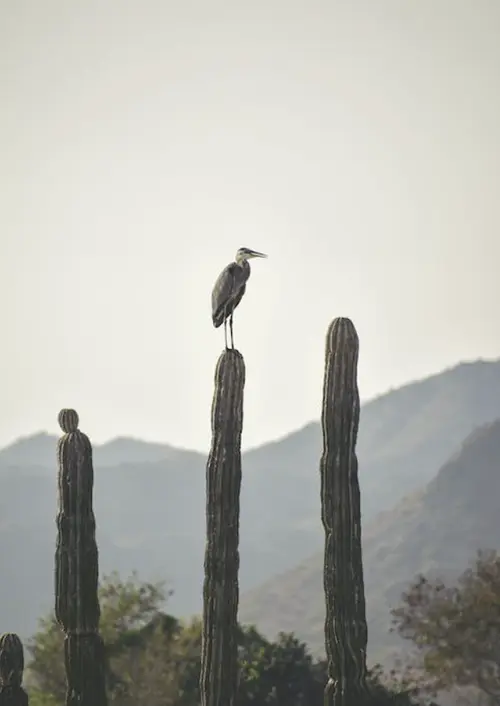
[341, 332]
[10, 640]
[68, 420]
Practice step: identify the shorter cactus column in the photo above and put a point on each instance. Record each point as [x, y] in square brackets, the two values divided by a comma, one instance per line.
[345, 623]
[11, 671]
[76, 570]
[219, 657]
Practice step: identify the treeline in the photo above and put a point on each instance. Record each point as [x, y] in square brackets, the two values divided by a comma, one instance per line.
[454, 630]
[154, 659]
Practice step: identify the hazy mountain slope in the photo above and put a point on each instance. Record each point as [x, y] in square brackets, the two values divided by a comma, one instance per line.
[150, 498]
[40, 450]
[404, 437]
[436, 530]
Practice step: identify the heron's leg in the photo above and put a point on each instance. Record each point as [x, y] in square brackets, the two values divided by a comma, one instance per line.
[225, 332]
[231, 330]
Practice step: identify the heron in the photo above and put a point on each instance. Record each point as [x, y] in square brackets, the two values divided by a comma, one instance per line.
[229, 289]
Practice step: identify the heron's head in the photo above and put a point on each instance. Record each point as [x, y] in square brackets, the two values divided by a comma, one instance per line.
[246, 254]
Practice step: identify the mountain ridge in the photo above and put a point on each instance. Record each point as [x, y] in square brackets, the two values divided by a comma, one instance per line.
[435, 531]
[159, 450]
[150, 514]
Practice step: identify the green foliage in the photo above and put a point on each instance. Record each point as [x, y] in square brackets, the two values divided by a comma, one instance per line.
[280, 673]
[155, 660]
[390, 689]
[145, 673]
[127, 608]
[40, 698]
[46, 667]
[456, 630]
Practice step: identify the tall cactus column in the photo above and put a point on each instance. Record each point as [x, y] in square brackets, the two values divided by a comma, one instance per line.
[219, 665]
[345, 624]
[76, 570]
[11, 671]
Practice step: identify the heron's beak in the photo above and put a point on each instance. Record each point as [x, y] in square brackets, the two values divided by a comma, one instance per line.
[254, 253]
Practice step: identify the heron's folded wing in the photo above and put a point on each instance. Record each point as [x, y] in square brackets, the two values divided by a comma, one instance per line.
[223, 291]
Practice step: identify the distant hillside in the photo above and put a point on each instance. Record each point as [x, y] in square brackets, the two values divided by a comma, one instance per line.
[39, 450]
[437, 530]
[150, 498]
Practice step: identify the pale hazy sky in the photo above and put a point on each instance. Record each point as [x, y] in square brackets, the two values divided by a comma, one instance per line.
[143, 142]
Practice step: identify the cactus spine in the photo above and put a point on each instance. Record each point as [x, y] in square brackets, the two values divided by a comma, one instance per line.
[345, 624]
[11, 671]
[76, 568]
[219, 666]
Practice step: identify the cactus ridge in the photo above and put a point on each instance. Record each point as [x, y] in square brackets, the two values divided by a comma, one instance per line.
[76, 568]
[68, 420]
[219, 669]
[11, 671]
[345, 622]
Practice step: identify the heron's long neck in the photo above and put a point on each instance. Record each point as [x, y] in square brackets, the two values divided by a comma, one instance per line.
[245, 266]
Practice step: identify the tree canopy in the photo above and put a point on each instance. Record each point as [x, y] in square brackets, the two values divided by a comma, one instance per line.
[455, 628]
[154, 659]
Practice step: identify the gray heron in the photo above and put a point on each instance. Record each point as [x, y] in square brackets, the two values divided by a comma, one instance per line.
[229, 289]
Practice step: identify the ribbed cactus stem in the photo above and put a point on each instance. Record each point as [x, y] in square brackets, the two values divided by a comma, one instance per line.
[345, 624]
[11, 671]
[76, 568]
[219, 666]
